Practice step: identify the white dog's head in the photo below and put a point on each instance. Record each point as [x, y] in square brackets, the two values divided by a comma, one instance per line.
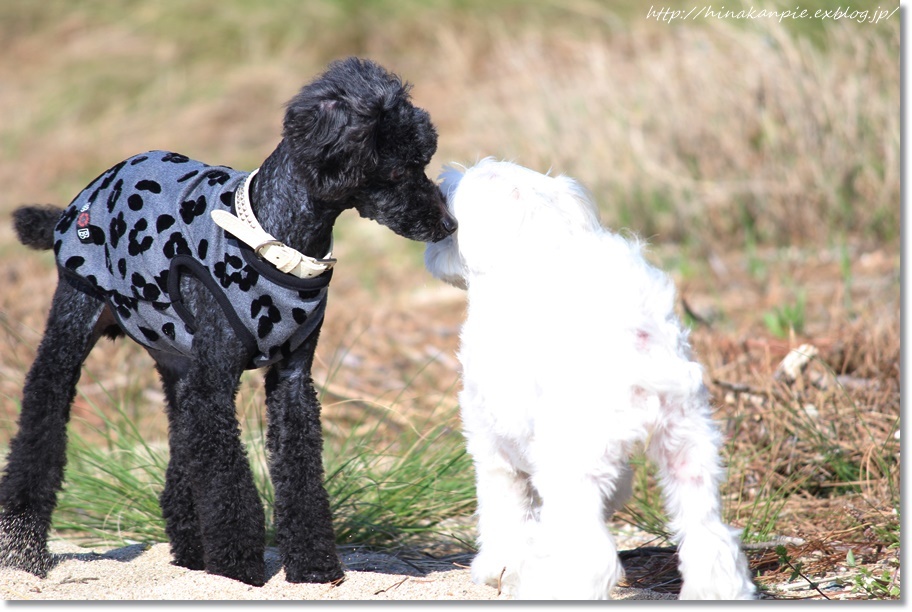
[506, 212]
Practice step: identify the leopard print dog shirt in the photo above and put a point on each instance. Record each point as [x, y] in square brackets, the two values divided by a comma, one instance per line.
[137, 229]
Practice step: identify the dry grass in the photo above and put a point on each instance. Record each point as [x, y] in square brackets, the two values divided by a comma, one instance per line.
[764, 168]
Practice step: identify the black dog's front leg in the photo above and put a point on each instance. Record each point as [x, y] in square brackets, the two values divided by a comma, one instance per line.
[295, 442]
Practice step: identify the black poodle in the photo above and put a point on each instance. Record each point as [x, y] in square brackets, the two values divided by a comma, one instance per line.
[216, 271]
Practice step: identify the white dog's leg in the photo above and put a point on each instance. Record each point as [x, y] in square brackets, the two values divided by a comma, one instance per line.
[622, 492]
[574, 555]
[505, 511]
[685, 447]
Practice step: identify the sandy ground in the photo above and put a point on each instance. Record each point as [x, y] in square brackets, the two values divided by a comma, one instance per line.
[140, 573]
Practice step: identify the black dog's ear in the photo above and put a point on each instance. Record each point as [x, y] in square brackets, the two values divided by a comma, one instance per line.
[330, 146]
[332, 125]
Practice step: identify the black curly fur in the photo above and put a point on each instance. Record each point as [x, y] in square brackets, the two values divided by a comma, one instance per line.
[34, 225]
[351, 139]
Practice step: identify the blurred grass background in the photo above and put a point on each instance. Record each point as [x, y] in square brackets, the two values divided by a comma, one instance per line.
[760, 159]
[698, 132]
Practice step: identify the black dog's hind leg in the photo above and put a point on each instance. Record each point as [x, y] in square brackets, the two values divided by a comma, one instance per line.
[209, 481]
[181, 521]
[34, 469]
[295, 442]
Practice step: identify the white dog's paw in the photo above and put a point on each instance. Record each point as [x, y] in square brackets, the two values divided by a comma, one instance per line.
[496, 570]
[728, 578]
[713, 566]
[579, 577]
[722, 592]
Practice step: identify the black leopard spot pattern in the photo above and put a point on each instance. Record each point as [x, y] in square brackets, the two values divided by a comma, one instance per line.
[117, 229]
[175, 158]
[66, 219]
[270, 315]
[151, 186]
[191, 209]
[151, 224]
[217, 177]
[139, 245]
[115, 195]
[176, 245]
[164, 222]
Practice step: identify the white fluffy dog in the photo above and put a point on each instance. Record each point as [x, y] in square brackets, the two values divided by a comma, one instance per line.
[572, 354]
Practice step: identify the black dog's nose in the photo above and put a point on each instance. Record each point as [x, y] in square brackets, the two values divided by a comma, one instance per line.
[449, 223]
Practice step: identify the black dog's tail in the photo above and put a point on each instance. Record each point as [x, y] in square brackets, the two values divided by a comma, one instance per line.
[35, 225]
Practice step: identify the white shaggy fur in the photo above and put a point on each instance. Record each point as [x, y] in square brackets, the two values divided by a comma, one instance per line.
[572, 354]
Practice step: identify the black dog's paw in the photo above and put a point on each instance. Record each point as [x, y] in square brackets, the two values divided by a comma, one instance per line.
[253, 574]
[334, 574]
[190, 560]
[23, 545]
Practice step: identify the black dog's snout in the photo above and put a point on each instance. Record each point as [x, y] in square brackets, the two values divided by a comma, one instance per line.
[449, 223]
[447, 220]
